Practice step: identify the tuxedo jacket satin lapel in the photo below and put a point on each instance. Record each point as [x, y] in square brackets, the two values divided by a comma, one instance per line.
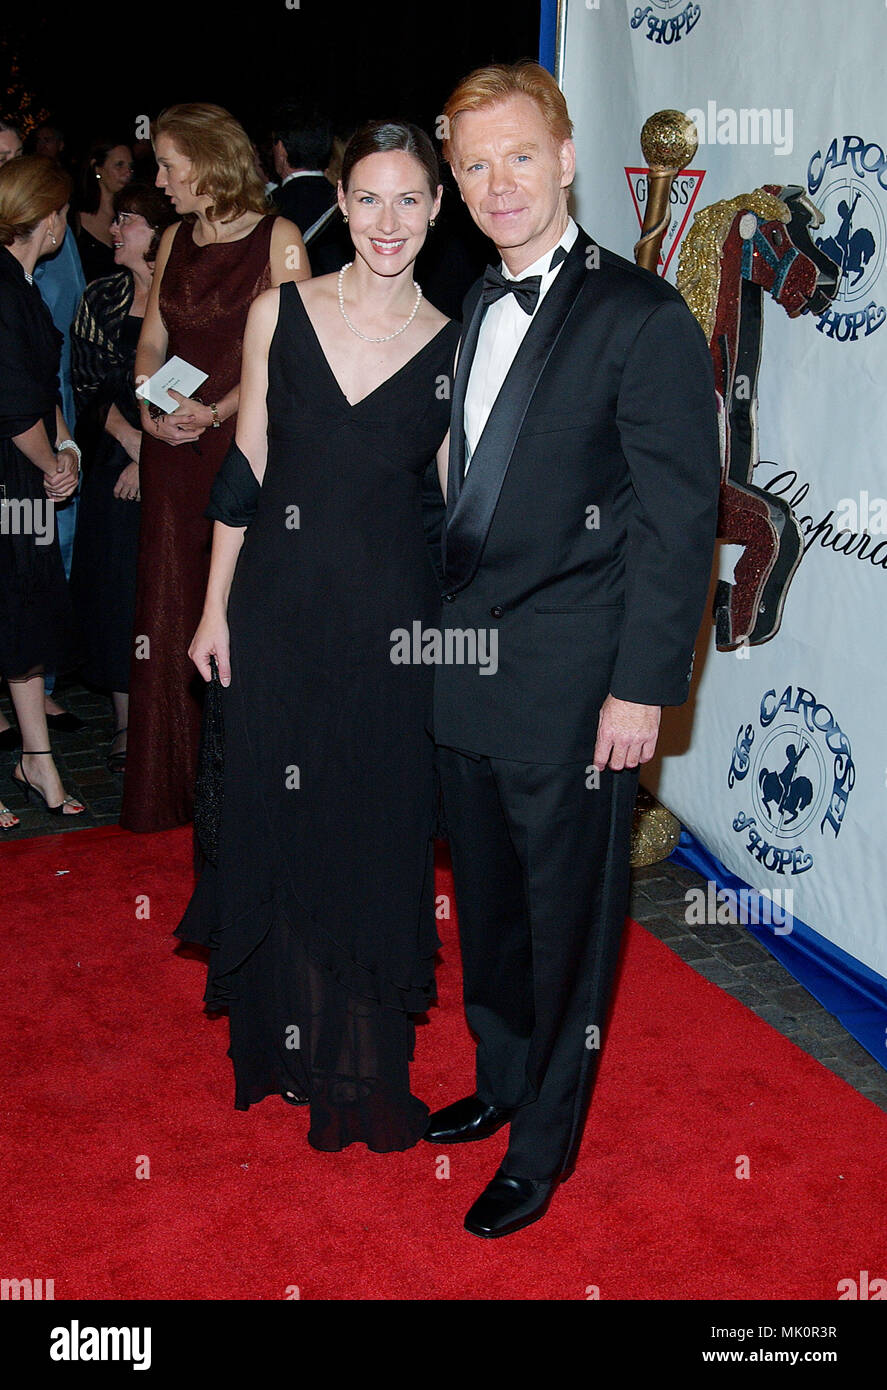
[467, 349]
[471, 499]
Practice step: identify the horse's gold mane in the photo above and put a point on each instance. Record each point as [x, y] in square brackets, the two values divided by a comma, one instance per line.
[699, 262]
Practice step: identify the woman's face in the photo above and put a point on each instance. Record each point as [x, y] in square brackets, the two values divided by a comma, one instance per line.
[10, 146]
[175, 176]
[116, 171]
[131, 237]
[389, 205]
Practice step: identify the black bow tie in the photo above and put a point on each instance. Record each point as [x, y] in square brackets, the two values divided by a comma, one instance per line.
[525, 291]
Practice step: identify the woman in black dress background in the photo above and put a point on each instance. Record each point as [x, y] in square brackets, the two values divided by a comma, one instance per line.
[106, 170]
[319, 910]
[39, 464]
[103, 350]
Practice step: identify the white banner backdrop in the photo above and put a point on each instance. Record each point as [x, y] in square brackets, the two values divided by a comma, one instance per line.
[787, 94]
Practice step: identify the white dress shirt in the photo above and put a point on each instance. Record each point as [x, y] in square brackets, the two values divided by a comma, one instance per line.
[272, 187]
[303, 174]
[502, 331]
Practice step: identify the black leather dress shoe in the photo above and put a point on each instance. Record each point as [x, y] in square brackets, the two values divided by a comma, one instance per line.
[508, 1204]
[294, 1098]
[466, 1120]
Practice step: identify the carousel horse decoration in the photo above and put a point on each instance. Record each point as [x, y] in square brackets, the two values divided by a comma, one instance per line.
[734, 252]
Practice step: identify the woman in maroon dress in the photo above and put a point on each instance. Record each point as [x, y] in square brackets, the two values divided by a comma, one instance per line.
[210, 267]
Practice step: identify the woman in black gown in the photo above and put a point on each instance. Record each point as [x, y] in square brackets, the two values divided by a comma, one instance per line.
[319, 910]
[39, 465]
[104, 338]
[106, 170]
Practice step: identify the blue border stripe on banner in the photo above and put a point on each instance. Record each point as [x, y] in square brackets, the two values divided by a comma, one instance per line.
[547, 34]
[856, 995]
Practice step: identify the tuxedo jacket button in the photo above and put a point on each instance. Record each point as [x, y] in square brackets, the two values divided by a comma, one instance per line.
[448, 598]
[496, 612]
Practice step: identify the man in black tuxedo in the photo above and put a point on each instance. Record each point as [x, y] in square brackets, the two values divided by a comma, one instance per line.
[302, 146]
[302, 143]
[581, 505]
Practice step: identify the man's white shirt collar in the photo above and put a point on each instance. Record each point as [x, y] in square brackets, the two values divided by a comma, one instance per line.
[503, 329]
[302, 174]
[540, 267]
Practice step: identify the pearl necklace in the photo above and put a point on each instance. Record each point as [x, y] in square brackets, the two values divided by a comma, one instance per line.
[366, 338]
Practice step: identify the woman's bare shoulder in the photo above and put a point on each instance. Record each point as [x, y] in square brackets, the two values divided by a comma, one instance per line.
[167, 237]
[319, 289]
[433, 319]
[283, 230]
[263, 312]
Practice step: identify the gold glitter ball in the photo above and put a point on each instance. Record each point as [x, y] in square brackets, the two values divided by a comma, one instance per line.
[669, 140]
[655, 831]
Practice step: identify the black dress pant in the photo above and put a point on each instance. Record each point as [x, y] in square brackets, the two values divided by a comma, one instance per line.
[541, 871]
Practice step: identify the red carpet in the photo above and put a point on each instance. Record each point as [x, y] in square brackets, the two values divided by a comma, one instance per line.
[109, 1062]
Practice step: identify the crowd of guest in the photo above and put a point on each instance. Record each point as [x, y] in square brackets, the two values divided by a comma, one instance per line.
[143, 251]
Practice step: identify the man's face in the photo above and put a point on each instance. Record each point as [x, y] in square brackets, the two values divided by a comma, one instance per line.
[47, 143]
[10, 146]
[280, 160]
[511, 174]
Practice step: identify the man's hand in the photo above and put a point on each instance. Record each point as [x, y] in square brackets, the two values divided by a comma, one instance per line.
[626, 734]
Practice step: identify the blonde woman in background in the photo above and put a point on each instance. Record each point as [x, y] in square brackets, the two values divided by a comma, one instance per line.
[226, 250]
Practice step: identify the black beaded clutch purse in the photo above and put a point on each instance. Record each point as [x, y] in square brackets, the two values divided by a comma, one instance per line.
[210, 769]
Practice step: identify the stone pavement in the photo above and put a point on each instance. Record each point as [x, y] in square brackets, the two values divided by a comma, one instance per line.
[727, 954]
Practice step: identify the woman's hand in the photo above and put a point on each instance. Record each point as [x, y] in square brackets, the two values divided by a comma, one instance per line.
[211, 639]
[127, 435]
[191, 414]
[163, 428]
[127, 485]
[62, 481]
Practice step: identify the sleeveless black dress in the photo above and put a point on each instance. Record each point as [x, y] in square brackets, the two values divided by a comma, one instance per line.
[38, 631]
[320, 910]
[106, 546]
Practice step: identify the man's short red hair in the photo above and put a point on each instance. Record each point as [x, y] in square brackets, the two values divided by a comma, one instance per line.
[487, 86]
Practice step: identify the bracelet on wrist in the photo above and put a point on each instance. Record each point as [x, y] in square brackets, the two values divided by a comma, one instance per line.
[69, 444]
[155, 415]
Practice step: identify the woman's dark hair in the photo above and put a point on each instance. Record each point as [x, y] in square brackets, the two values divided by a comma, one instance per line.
[379, 137]
[151, 204]
[87, 184]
